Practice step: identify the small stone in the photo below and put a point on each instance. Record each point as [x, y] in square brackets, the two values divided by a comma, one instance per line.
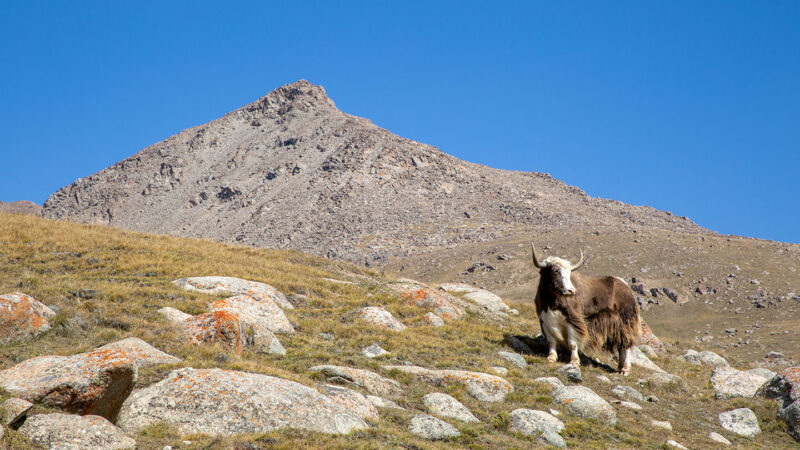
[380, 402]
[552, 381]
[531, 421]
[627, 392]
[648, 351]
[652, 399]
[584, 402]
[661, 424]
[774, 355]
[718, 438]
[499, 370]
[23, 317]
[431, 428]
[631, 405]
[482, 386]
[446, 406]
[380, 317]
[326, 336]
[742, 421]
[672, 443]
[433, 319]
[173, 315]
[603, 379]
[13, 410]
[571, 372]
[553, 439]
[374, 351]
[514, 358]
[663, 378]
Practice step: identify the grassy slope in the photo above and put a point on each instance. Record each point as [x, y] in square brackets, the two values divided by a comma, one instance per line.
[132, 273]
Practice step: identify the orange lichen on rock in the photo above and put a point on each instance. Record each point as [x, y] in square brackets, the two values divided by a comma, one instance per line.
[432, 300]
[22, 317]
[215, 326]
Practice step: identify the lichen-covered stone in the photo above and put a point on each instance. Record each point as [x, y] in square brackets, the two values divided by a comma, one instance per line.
[705, 357]
[431, 428]
[426, 298]
[729, 382]
[66, 431]
[378, 316]
[12, 410]
[742, 421]
[370, 381]
[374, 351]
[22, 317]
[352, 401]
[443, 405]
[785, 387]
[212, 327]
[649, 338]
[514, 358]
[482, 386]
[480, 297]
[95, 382]
[584, 402]
[225, 402]
[232, 285]
[258, 315]
[143, 354]
[433, 319]
[531, 421]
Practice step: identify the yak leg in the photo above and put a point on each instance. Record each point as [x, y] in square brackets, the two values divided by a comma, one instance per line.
[572, 341]
[552, 354]
[624, 361]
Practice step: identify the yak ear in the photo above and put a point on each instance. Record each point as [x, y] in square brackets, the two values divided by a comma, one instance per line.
[535, 260]
[580, 262]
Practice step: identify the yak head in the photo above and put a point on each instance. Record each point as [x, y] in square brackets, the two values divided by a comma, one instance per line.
[556, 272]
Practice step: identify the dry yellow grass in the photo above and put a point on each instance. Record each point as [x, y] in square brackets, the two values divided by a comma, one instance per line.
[132, 274]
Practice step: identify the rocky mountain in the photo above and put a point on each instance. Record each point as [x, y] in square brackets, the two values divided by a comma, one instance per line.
[290, 170]
[20, 207]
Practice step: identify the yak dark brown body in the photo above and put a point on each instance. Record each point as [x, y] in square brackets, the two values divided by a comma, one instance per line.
[584, 312]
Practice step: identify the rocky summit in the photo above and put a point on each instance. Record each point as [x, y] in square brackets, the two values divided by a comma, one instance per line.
[290, 170]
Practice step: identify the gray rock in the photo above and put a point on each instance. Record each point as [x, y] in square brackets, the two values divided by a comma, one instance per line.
[482, 386]
[741, 421]
[23, 317]
[718, 438]
[774, 355]
[672, 443]
[225, 402]
[75, 432]
[370, 381]
[661, 424]
[627, 392]
[12, 410]
[502, 371]
[603, 379]
[785, 387]
[378, 316]
[514, 358]
[352, 401]
[584, 402]
[446, 406]
[234, 286]
[762, 372]
[143, 354]
[571, 372]
[663, 378]
[433, 319]
[262, 316]
[431, 428]
[553, 439]
[631, 405]
[374, 351]
[705, 357]
[531, 421]
[552, 381]
[639, 359]
[173, 315]
[729, 382]
[379, 402]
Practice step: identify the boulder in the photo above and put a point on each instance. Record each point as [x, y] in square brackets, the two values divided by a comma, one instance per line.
[225, 402]
[378, 316]
[729, 382]
[143, 354]
[370, 381]
[482, 386]
[66, 431]
[630, 405]
[443, 405]
[514, 358]
[261, 316]
[232, 285]
[374, 351]
[480, 297]
[571, 372]
[639, 359]
[173, 315]
[584, 402]
[440, 302]
[22, 317]
[352, 401]
[742, 421]
[649, 338]
[661, 424]
[705, 357]
[431, 428]
[718, 438]
[627, 392]
[531, 421]
[433, 319]
[785, 387]
[663, 378]
[12, 410]
[95, 382]
[500, 370]
[552, 381]
[212, 327]
[552, 439]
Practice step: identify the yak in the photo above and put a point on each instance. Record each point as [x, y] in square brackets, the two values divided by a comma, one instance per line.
[583, 312]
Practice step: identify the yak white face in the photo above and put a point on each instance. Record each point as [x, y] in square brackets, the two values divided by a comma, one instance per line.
[560, 271]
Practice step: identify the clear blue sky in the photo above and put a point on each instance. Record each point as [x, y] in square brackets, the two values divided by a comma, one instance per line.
[691, 107]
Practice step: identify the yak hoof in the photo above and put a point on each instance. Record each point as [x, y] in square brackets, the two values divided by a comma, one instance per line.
[552, 358]
[625, 372]
[575, 362]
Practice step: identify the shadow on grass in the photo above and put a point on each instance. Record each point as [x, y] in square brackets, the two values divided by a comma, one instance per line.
[537, 346]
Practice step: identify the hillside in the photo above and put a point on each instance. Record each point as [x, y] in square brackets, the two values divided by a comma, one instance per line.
[292, 171]
[104, 285]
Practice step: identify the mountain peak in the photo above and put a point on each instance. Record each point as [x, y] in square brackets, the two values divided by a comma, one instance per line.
[300, 94]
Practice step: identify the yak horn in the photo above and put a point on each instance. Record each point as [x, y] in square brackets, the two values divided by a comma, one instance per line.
[579, 264]
[536, 261]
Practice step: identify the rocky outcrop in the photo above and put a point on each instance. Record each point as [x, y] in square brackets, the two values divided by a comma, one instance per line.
[68, 432]
[482, 386]
[142, 353]
[379, 317]
[233, 285]
[365, 379]
[224, 402]
[95, 382]
[443, 405]
[22, 317]
[431, 428]
[785, 388]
